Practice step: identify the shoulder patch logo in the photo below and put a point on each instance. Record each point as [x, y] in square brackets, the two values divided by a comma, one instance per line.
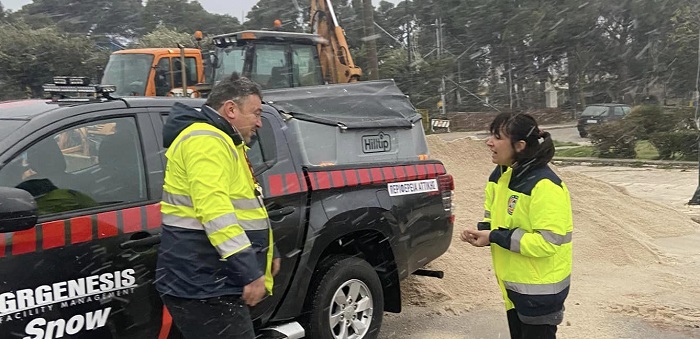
[511, 203]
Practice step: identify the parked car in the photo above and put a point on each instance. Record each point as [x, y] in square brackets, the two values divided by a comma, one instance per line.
[600, 113]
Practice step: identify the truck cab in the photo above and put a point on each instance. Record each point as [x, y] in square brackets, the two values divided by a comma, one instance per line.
[153, 71]
[272, 59]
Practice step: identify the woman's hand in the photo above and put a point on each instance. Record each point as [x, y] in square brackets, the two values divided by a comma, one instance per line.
[475, 237]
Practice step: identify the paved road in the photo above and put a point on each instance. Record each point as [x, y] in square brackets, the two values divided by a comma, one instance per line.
[559, 133]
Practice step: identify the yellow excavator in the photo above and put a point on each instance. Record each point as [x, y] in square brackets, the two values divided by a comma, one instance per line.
[276, 59]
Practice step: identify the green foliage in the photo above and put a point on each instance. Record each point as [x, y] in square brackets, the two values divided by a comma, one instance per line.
[186, 16]
[581, 151]
[614, 140]
[163, 37]
[265, 12]
[679, 145]
[31, 58]
[650, 119]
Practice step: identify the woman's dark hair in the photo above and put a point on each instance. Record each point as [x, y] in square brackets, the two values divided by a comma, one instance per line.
[520, 126]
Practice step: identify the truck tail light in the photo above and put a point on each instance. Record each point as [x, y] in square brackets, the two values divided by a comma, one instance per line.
[446, 184]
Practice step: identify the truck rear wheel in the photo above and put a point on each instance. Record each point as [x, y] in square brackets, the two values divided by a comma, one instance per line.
[347, 301]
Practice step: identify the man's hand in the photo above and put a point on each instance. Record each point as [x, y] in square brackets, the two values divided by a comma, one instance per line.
[475, 237]
[276, 265]
[254, 292]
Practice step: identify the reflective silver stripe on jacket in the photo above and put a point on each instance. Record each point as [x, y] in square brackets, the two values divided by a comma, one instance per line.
[554, 318]
[204, 132]
[554, 238]
[232, 245]
[186, 201]
[216, 224]
[549, 236]
[538, 289]
[221, 222]
[515, 239]
[182, 222]
[177, 199]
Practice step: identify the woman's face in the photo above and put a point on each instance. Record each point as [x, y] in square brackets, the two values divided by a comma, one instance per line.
[502, 152]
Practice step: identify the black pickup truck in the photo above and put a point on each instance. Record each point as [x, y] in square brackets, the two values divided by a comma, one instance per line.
[355, 203]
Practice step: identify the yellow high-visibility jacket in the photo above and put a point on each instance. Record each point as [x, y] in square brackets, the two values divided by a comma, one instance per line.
[531, 226]
[216, 234]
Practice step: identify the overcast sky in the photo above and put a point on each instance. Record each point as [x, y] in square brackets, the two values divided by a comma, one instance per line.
[214, 6]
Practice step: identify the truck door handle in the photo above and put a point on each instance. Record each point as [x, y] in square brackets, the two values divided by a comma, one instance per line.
[142, 243]
[281, 212]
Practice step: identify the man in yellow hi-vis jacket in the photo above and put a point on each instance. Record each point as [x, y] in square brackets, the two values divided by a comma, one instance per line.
[216, 252]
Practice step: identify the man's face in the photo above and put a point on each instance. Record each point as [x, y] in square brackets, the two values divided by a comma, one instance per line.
[245, 117]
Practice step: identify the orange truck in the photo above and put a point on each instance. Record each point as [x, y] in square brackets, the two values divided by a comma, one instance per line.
[154, 71]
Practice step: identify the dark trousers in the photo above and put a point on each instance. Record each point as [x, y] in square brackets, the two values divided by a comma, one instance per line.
[219, 317]
[520, 330]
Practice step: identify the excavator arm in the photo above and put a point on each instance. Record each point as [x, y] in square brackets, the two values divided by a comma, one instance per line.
[336, 62]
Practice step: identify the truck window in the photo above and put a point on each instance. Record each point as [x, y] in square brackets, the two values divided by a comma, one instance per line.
[306, 68]
[129, 72]
[190, 69]
[262, 153]
[163, 79]
[79, 167]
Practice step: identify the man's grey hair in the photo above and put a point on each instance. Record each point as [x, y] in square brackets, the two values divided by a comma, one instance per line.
[234, 88]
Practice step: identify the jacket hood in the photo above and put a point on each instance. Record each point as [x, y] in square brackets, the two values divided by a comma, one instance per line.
[182, 116]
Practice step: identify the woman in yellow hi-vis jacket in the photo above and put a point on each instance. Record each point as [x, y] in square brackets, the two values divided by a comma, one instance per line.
[528, 223]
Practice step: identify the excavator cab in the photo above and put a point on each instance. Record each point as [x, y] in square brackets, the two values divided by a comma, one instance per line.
[272, 59]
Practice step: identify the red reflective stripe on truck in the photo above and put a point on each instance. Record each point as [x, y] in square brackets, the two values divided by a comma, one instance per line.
[2, 245]
[107, 225]
[376, 175]
[388, 174]
[80, 229]
[351, 177]
[291, 182]
[131, 220]
[153, 216]
[61, 233]
[411, 172]
[322, 180]
[421, 172]
[400, 173]
[53, 234]
[337, 179]
[24, 241]
[276, 184]
[364, 176]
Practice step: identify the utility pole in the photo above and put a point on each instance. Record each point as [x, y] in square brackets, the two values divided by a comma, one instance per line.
[438, 36]
[371, 40]
[408, 35]
[695, 200]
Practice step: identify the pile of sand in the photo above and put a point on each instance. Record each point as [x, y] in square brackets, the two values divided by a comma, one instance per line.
[616, 257]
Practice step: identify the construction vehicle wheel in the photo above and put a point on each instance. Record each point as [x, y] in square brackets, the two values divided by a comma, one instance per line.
[346, 300]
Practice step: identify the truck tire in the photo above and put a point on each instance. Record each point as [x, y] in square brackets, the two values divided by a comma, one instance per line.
[346, 300]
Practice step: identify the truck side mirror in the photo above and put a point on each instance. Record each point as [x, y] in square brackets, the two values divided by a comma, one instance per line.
[18, 210]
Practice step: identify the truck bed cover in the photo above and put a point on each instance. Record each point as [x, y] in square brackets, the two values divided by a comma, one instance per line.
[366, 104]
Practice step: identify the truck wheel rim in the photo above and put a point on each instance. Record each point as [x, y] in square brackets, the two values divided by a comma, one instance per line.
[350, 311]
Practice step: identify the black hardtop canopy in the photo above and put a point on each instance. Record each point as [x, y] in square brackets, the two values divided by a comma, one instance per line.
[364, 104]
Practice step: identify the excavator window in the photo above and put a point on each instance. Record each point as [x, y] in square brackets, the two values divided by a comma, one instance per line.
[306, 68]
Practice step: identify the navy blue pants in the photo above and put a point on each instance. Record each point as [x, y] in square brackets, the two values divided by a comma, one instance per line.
[225, 317]
[520, 330]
